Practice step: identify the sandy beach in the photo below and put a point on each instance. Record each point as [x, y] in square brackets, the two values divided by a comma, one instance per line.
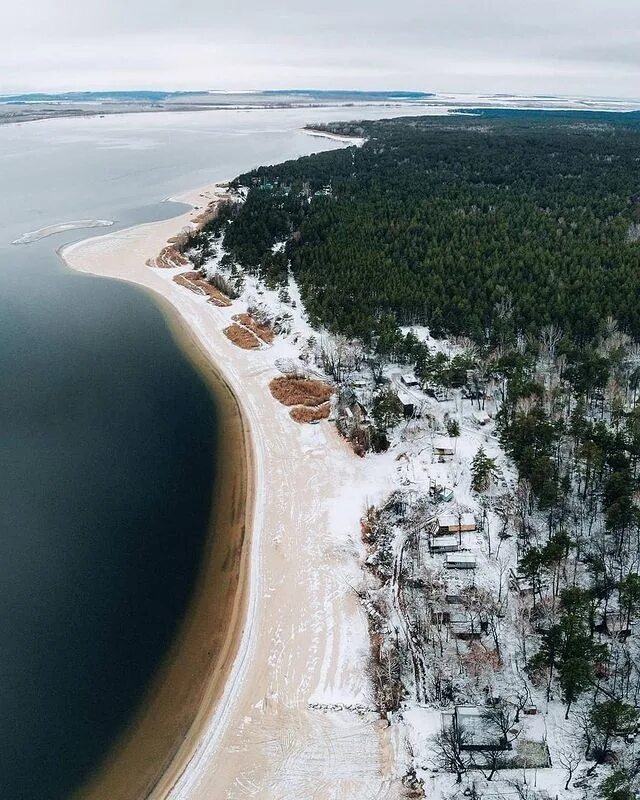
[265, 692]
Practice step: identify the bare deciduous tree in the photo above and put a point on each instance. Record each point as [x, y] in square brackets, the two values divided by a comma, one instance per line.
[520, 696]
[449, 750]
[569, 754]
[550, 336]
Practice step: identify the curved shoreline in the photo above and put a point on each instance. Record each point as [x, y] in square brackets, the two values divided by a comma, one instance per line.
[162, 737]
[277, 719]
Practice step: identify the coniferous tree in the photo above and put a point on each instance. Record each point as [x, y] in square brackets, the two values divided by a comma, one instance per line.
[483, 470]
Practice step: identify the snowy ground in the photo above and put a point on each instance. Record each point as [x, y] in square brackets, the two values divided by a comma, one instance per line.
[412, 466]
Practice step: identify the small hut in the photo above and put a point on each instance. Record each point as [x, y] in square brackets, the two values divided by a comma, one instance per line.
[460, 561]
[444, 544]
[444, 446]
[456, 523]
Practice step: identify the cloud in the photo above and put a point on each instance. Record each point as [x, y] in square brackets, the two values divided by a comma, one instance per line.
[543, 46]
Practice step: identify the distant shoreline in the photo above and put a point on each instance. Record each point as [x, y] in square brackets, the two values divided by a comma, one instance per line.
[72, 113]
[39, 107]
[12, 113]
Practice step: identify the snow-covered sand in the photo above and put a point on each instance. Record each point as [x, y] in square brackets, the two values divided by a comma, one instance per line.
[282, 727]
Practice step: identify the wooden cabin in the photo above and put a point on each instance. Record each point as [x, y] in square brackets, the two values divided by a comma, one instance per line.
[519, 583]
[463, 627]
[444, 544]
[460, 561]
[614, 625]
[439, 392]
[477, 734]
[408, 404]
[456, 523]
[444, 446]
[356, 412]
[409, 379]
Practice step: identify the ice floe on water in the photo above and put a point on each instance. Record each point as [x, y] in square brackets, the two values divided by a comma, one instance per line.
[62, 227]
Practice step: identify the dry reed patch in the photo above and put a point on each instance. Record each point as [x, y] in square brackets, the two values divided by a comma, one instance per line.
[300, 391]
[206, 215]
[216, 296]
[197, 284]
[182, 280]
[264, 332]
[242, 337]
[210, 212]
[310, 414]
[168, 258]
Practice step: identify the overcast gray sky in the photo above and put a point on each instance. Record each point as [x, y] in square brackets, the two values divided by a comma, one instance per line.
[588, 47]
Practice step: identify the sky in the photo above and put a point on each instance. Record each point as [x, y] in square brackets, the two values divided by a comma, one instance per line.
[583, 47]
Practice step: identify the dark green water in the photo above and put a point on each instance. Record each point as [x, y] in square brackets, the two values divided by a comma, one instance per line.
[107, 438]
[107, 433]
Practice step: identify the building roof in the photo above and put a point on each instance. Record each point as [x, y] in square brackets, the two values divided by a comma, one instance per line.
[472, 722]
[405, 398]
[468, 559]
[444, 541]
[450, 520]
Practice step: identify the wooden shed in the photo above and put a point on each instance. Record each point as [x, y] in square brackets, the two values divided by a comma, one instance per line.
[464, 627]
[476, 732]
[460, 561]
[444, 446]
[456, 523]
[445, 544]
[408, 404]
[409, 379]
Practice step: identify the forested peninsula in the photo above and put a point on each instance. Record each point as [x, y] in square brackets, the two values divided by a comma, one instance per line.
[469, 285]
[488, 226]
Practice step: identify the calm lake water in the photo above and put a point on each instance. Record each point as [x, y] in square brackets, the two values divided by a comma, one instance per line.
[106, 430]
